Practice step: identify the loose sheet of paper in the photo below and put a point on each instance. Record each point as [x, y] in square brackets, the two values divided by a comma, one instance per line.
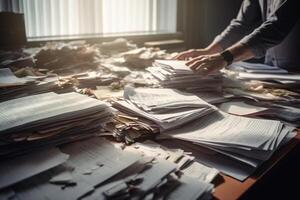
[20, 168]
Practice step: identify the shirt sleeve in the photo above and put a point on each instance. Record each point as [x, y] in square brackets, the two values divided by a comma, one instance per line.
[248, 18]
[273, 31]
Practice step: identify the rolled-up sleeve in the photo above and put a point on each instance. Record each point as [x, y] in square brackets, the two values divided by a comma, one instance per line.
[273, 31]
[248, 18]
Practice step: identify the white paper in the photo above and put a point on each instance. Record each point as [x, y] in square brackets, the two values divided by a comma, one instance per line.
[241, 108]
[20, 168]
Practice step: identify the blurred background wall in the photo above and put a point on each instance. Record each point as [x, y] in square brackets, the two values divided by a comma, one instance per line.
[202, 20]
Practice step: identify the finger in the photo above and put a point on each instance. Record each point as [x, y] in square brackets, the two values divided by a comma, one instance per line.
[201, 68]
[183, 56]
[176, 57]
[180, 57]
[215, 70]
[196, 65]
[191, 62]
[206, 70]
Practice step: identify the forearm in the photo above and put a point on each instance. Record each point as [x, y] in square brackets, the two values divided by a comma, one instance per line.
[207, 64]
[247, 19]
[241, 52]
[214, 48]
[275, 29]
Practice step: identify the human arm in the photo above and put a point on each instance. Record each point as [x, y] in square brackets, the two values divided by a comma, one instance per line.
[285, 14]
[213, 48]
[270, 33]
[207, 64]
[248, 17]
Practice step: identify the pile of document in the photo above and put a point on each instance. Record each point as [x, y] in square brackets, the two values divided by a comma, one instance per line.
[66, 173]
[257, 77]
[160, 173]
[287, 114]
[175, 74]
[247, 141]
[272, 88]
[8, 79]
[65, 58]
[190, 179]
[14, 87]
[129, 129]
[168, 108]
[143, 57]
[89, 80]
[184, 160]
[15, 59]
[98, 169]
[184, 116]
[117, 46]
[48, 119]
[256, 68]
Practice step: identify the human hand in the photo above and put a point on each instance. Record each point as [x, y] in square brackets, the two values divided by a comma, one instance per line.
[206, 64]
[192, 53]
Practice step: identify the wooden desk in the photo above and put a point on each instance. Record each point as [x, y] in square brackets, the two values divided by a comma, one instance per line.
[231, 188]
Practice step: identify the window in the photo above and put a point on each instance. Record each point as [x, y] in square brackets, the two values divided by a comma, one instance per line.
[46, 18]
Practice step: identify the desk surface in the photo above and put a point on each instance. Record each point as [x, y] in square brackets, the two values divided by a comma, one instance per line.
[233, 189]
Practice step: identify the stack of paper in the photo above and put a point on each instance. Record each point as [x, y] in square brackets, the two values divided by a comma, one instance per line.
[128, 129]
[155, 176]
[98, 169]
[175, 74]
[117, 46]
[168, 108]
[270, 87]
[267, 76]
[256, 68]
[280, 77]
[23, 167]
[245, 140]
[185, 162]
[12, 87]
[30, 122]
[8, 79]
[67, 174]
[65, 58]
[288, 114]
[143, 57]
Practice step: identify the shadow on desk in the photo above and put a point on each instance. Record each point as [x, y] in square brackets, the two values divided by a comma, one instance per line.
[282, 182]
[272, 180]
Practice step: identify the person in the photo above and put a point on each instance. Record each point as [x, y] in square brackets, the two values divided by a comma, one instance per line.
[262, 28]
